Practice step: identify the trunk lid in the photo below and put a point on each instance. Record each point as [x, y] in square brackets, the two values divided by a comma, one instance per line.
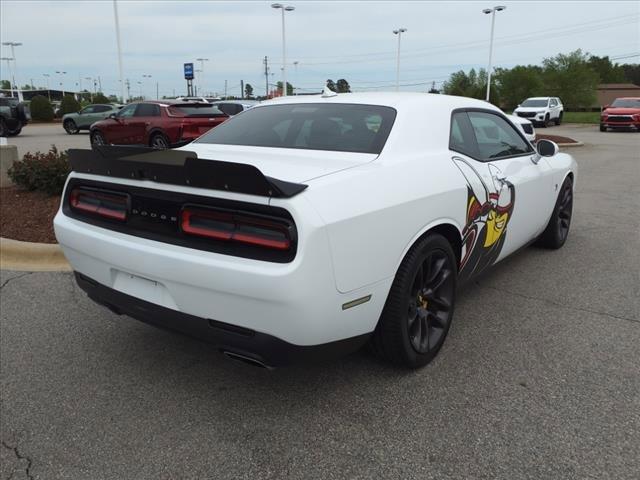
[288, 164]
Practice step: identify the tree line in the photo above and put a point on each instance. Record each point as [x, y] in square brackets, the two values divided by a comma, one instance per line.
[574, 77]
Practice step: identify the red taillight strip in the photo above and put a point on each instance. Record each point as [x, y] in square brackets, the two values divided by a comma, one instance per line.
[76, 202]
[233, 234]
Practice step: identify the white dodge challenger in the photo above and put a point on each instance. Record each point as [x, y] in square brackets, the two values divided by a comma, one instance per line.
[307, 227]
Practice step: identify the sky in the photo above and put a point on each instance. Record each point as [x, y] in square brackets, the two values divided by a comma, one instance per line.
[328, 39]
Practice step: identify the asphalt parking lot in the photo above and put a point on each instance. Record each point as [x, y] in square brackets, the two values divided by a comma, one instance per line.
[38, 137]
[538, 379]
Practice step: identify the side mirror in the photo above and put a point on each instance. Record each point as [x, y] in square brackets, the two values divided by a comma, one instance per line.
[547, 148]
[606, 106]
[518, 106]
[112, 116]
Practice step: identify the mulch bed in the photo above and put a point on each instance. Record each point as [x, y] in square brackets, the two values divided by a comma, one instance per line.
[27, 216]
[554, 138]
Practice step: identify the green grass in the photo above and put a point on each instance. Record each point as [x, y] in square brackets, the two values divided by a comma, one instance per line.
[581, 117]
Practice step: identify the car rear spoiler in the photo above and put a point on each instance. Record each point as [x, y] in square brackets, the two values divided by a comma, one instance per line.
[179, 167]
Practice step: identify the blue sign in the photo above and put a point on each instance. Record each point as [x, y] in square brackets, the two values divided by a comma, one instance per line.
[188, 71]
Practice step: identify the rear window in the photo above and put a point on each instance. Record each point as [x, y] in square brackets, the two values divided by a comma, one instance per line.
[310, 126]
[196, 110]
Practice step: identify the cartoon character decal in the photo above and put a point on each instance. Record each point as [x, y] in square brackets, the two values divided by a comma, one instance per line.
[488, 213]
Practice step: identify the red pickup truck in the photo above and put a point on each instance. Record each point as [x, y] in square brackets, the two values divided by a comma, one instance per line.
[159, 124]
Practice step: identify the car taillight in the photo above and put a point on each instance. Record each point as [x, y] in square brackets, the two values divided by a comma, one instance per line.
[100, 203]
[235, 227]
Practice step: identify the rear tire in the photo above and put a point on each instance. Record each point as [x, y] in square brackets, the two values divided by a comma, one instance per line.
[70, 127]
[417, 315]
[557, 231]
[97, 138]
[159, 141]
[559, 119]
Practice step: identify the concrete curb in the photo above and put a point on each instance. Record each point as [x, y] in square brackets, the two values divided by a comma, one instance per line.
[576, 144]
[32, 257]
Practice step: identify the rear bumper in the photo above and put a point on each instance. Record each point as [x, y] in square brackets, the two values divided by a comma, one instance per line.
[242, 342]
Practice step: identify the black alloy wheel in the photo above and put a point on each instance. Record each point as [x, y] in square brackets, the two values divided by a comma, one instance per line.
[71, 127]
[97, 138]
[557, 231]
[419, 308]
[430, 301]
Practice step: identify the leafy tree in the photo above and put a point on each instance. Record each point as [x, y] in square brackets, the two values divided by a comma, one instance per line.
[289, 88]
[100, 98]
[28, 87]
[248, 90]
[607, 71]
[570, 77]
[69, 105]
[433, 88]
[632, 73]
[41, 108]
[518, 83]
[472, 84]
[5, 84]
[113, 99]
[331, 85]
[343, 86]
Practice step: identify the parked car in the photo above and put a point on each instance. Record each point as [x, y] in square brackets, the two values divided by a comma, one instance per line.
[159, 124]
[525, 125]
[541, 110]
[14, 115]
[82, 120]
[622, 113]
[233, 107]
[192, 99]
[295, 231]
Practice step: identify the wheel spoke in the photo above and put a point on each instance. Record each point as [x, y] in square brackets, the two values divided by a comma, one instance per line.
[424, 338]
[436, 321]
[440, 303]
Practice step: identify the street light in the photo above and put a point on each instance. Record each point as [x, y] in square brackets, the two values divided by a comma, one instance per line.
[283, 8]
[491, 11]
[141, 97]
[398, 32]
[9, 60]
[201, 79]
[295, 66]
[46, 76]
[143, 77]
[122, 82]
[61, 84]
[13, 57]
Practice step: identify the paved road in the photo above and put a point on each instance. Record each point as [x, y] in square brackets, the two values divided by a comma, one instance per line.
[539, 377]
[39, 138]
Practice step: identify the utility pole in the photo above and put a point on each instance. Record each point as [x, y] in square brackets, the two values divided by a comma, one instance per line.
[157, 91]
[225, 89]
[128, 84]
[100, 84]
[266, 77]
[115, 14]
[242, 89]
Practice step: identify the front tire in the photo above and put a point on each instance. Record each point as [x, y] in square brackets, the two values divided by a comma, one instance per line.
[557, 231]
[70, 127]
[546, 121]
[604, 129]
[417, 315]
[97, 138]
[3, 127]
[559, 119]
[16, 131]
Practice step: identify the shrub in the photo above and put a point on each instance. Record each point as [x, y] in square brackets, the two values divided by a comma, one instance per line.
[69, 105]
[100, 98]
[46, 172]
[41, 108]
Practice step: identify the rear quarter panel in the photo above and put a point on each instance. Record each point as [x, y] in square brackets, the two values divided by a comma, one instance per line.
[374, 213]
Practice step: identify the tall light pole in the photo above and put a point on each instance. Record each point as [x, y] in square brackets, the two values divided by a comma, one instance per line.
[61, 84]
[115, 15]
[201, 82]
[143, 77]
[15, 67]
[46, 76]
[491, 11]
[398, 32]
[284, 48]
[11, 82]
[295, 67]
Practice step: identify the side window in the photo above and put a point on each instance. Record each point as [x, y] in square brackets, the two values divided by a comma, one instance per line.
[102, 108]
[554, 103]
[90, 109]
[127, 111]
[496, 137]
[459, 138]
[148, 110]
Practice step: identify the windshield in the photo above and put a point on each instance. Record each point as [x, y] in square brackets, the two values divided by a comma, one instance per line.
[534, 103]
[312, 126]
[626, 103]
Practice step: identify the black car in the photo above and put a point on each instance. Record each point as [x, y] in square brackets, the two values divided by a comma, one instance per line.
[13, 116]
